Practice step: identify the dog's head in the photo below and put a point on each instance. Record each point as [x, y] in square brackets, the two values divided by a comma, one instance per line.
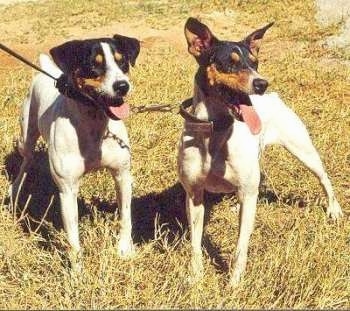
[228, 69]
[99, 68]
[229, 66]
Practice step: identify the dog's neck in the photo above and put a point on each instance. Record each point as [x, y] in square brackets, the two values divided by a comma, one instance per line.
[205, 106]
[86, 113]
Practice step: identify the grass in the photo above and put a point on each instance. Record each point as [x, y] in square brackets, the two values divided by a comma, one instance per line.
[297, 258]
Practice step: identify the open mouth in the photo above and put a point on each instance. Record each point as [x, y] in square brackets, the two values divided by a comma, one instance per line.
[116, 108]
[246, 113]
[241, 106]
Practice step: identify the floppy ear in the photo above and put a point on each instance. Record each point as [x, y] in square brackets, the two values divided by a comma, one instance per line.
[129, 47]
[199, 37]
[254, 39]
[67, 55]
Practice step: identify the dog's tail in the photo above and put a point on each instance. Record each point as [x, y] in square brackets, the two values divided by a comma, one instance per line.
[47, 64]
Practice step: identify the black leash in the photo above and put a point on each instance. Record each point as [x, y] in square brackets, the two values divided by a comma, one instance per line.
[27, 62]
[65, 87]
[61, 83]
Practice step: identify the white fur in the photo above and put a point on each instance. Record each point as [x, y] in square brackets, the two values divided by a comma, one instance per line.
[80, 138]
[214, 170]
[113, 72]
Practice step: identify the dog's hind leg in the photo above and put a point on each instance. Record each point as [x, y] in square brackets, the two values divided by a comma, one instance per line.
[195, 217]
[26, 142]
[294, 136]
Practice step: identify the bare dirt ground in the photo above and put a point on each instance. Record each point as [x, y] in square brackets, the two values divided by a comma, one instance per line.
[141, 30]
[7, 2]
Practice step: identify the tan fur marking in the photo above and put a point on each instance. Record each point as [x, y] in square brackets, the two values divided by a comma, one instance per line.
[236, 81]
[235, 57]
[99, 59]
[88, 83]
[118, 56]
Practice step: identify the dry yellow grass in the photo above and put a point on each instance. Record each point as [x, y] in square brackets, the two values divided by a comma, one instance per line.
[297, 258]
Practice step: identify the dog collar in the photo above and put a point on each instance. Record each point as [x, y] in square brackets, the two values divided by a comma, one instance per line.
[197, 125]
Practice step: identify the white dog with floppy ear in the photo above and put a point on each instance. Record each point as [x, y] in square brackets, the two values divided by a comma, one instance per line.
[224, 156]
[83, 131]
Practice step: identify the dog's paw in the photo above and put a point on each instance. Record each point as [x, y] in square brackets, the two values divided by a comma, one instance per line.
[126, 249]
[235, 278]
[197, 270]
[76, 262]
[334, 210]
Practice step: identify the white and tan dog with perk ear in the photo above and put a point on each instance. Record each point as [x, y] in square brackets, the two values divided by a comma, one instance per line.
[84, 130]
[229, 123]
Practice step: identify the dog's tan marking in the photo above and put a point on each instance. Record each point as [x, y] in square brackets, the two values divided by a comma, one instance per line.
[118, 56]
[99, 59]
[88, 83]
[236, 81]
[235, 57]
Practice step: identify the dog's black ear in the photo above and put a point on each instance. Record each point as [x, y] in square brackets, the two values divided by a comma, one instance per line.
[254, 39]
[130, 47]
[67, 55]
[199, 37]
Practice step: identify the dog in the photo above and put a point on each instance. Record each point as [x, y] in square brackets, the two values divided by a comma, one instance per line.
[83, 128]
[229, 122]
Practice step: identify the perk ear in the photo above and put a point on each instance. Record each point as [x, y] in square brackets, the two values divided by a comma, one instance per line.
[254, 39]
[199, 37]
[67, 55]
[129, 47]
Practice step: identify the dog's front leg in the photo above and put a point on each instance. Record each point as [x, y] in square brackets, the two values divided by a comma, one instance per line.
[69, 212]
[195, 216]
[246, 225]
[123, 181]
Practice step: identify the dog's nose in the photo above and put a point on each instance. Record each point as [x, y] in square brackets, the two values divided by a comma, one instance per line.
[260, 86]
[121, 87]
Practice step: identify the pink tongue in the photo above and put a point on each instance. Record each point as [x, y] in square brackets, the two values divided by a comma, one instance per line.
[252, 119]
[121, 112]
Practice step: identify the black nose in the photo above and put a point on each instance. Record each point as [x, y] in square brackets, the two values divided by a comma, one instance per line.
[260, 86]
[121, 87]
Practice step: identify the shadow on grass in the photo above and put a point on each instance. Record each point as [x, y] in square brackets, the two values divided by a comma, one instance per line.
[39, 195]
[167, 206]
